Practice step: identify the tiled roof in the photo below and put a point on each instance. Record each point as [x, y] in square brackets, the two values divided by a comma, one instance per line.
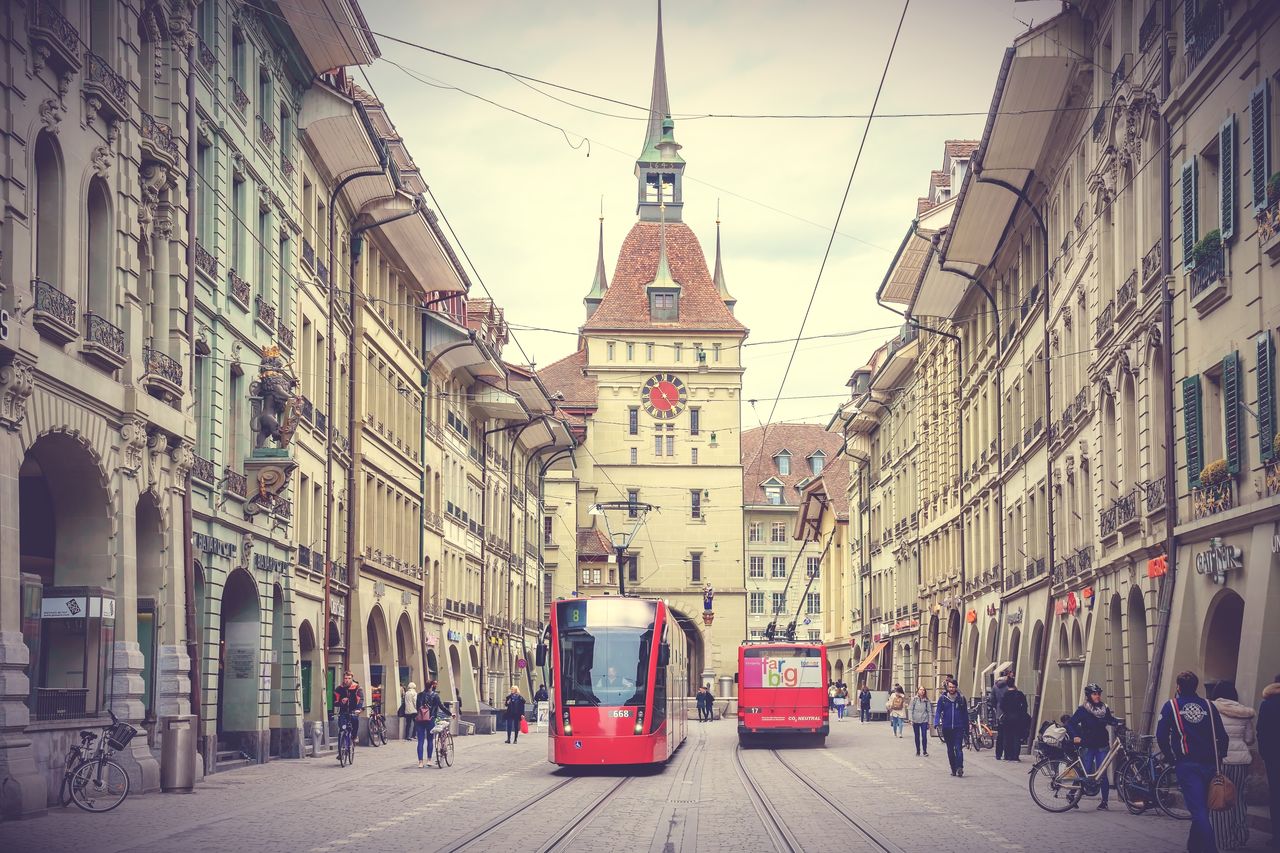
[960, 147]
[626, 304]
[592, 544]
[800, 440]
[939, 178]
[923, 205]
[566, 376]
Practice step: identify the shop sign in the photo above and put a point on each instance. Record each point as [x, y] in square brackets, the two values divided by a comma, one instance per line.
[206, 544]
[1014, 618]
[270, 564]
[433, 639]
[454, 636]
[1158, 567]
[1218, 560]
[1059, 607]
[1072, 604]
[1275, 543]
[520, 663]
[4, 325]
[1087, 595]
[337, 606]
[64, 608]
[104, 608]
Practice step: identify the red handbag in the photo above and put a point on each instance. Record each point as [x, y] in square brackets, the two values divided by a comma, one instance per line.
[524, 726]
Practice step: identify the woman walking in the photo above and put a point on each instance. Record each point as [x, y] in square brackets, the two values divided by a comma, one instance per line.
[952, 716]
[920, 712]
[428, 710]
[515, 714]
[897, 708]
[864, 704]
[1231, 828]
[409, 708]
[841, 700]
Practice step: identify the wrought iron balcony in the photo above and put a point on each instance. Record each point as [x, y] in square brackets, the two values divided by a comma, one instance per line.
[1127, 295]
[308, 254]
[1203, 33]
[239, 288]
[157, 138]
[1210, 270]
[162, 375]
[322, 273]
[208, 59]
[235, 482]
[1152, 27]
[106, 87]
[266, 133]
[286, 166]
[1122, 512]
[322, 421]
[1211, 500]
[1099, 123]
[1104, 323]
[1121, 71]
[53, 312]
[1152, 264]
[103, 340]
[1153, 494]
[307, 410]
[205, 261]
[284, 333]
[304, 556]
[266, 312]
[238, 96]
[53, 36]
[202, 470]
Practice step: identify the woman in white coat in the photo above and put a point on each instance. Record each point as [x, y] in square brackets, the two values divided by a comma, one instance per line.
[1231, 827]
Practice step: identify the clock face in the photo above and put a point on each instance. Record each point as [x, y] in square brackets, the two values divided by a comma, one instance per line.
[664, 396]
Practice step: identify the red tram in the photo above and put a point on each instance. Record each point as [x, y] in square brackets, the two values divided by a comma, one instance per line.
[618, 681]
[782, 689]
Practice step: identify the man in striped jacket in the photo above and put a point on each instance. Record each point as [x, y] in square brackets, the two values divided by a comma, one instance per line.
[1187, 732]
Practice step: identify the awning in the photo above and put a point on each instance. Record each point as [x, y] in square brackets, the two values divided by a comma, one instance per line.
[412, 240]
[1034, 80]
[903, 359]
[940, 292]
[332, 33]
[903, 276]
[872, 655]
[1002, 667]
[498, 403]
[344, 143]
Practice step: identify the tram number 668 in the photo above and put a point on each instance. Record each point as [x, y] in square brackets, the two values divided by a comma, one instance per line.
[622, 713]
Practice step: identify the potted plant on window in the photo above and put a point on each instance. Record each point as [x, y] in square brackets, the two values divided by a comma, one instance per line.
[1208, 247]
[1213, 474]
[1273, 189]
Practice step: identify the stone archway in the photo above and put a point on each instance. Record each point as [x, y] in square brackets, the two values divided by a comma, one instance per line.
[239, 671]
[378, 644]
[150, 560]
[1220, 650]
[1136, 643]
[407, 666]
[1116, 683]
[311, 673]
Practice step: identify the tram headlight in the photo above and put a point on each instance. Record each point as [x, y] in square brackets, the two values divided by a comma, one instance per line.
[568, 729]
[640, 721]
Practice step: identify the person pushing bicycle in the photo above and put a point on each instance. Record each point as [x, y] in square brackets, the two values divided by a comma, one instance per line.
[1088, 730]
[348, 700]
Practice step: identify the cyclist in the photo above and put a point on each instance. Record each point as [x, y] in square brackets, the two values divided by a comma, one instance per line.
[348, 700]
[1088, 730]
[430, 711]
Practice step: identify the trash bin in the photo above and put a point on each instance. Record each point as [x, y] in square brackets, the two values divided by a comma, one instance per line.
[177, 754]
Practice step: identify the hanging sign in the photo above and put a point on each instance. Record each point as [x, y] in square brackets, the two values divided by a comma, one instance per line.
[1158, 567]
[4, 325]
[971, 616]
[1072, 604]
[1218, 560]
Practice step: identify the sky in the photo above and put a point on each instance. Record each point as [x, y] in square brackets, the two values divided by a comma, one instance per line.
[524, 192]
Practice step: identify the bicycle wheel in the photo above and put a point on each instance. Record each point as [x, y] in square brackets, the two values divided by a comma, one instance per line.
[344, 749]
[975, 740]
[99, 785]
[382, 732]
[1135, 786]
[1055, 785]
[1169, 795]
[446, 749]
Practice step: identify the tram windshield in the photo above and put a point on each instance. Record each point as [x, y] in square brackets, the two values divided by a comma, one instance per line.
[605, 647]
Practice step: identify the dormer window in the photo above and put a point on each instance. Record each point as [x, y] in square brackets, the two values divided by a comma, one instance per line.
[664, 306]
[816, 461]
[783, 462]
[961, 168]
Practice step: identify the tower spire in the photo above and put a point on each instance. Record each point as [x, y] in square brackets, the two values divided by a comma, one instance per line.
[601, 281]
[659, 101]
[718, 277]
[659, 169]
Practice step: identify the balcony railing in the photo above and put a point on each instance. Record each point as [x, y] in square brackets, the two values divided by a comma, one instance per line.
[308, 410]
[1123, 511]
[105, 335]
[1272, 478]
[202, 470]
[1127, 295]
[1211, 500]
[160, 135]
[55, 312]
[239, 288]
[286, 166]
[208, 58]
[322, 273]
[205, 261]
[1203, 33]
[1152, 27]
[160, 364]
[322, 421]
[47, 25]
[1099, 122]
[109, 86]
[308, 254]
[284, 333]
[1269, 222]
[1103, 325]
[1121, 71]
[338, 572]
[304, 556]
[238, 96]
[235, 482]
[266, 312]
[1152, 264]
[1153, 494]
[1208, 271]
[266, 133]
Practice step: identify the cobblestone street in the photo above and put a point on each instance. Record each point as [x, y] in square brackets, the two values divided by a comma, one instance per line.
[499, 797]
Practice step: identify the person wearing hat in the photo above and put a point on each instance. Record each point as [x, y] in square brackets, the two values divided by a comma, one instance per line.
[409, 708]
[1088, 730]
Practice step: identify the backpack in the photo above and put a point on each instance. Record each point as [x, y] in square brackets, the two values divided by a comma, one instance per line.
[896, 703]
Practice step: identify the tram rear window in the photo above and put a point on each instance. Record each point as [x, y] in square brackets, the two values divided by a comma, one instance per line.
[605, 648]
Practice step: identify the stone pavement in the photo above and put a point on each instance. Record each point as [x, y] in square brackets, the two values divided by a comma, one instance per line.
[385, 803]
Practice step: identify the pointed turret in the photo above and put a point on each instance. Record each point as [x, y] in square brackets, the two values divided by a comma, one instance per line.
[664, 290]
[660, 168]
[718, 277]
[601, 282]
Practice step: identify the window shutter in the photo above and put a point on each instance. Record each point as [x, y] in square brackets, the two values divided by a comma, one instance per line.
[1227, 173]
[1231, 425]
[1259, 143]
[1191, 425]
[1188, 211]
[1266, 395]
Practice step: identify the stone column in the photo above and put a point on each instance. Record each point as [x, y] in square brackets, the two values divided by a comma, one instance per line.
[161, 285]
[22, 793]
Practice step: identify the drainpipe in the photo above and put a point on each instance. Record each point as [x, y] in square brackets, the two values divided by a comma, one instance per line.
[1165, 603]
[511, 526]
[194, 644]
[1048, 401]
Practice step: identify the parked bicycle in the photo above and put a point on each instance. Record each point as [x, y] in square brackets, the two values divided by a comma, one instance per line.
[981, 735]
[1146, 781]
[1059, 780]
[377, 726]
[90, 779]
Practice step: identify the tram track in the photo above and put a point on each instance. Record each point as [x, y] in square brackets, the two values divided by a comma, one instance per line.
[781, 835]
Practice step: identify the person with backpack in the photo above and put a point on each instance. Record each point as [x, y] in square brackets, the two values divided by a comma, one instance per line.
[429, 710]
[920, 712]
[1016, 718]
[952, 717]
[897, 708]
[1191, 735]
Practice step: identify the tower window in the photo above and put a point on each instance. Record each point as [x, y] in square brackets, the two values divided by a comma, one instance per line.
[664, 306]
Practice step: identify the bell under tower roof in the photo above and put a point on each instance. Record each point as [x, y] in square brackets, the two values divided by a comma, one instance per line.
[660, 168]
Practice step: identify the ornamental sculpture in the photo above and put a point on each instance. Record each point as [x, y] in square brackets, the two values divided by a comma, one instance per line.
[276, 407]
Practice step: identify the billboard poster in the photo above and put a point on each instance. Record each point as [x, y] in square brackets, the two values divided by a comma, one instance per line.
[783, 672]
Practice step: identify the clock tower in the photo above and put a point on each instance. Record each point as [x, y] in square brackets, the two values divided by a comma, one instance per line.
[654, 392]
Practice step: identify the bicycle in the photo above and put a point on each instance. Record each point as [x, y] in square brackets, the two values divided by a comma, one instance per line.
[444, 745]
[346, 740]
[377, 726]
[981, 735]
[90, 779]
[1145, 781]
[1057, 783]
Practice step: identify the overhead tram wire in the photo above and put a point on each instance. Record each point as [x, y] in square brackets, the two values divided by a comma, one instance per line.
[835, 226]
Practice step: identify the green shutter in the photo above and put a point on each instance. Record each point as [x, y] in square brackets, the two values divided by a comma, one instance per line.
[1231, 426]
[1259, 144]
[1191, 425]
[1266, 395]
[1227, 176]
[1188, 211]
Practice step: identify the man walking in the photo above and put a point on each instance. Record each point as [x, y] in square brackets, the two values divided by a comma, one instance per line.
[952, 716]
[1187, 731]
[864, 704]
[993, 709]
[1268, 728]
[1015, 719]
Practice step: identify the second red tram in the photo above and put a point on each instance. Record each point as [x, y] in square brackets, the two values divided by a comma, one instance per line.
[782, 689]
[618, 681]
